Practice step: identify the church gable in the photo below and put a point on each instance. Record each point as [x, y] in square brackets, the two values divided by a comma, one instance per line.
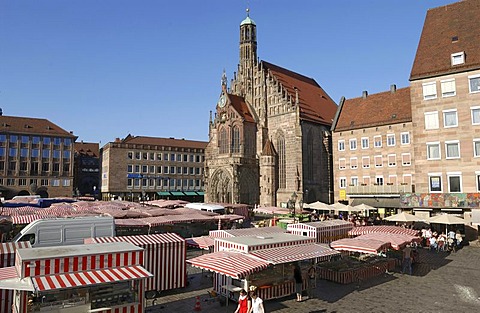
[315, 104]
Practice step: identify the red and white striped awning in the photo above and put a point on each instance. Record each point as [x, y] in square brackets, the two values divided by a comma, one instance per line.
[360, 245]
[203, 242]
[93, 277]
[10, 280]
[357, 231]
[296, 253]
[397, 241]
[8, 272]
[233, 264]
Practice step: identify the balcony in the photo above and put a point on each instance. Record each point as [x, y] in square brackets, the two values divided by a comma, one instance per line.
[380, 189]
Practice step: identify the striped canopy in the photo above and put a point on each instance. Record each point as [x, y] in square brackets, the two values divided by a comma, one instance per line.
[234, 264]
[203, 242]
[357, 231]
[397, 241]
[296, 253]
[371, 246]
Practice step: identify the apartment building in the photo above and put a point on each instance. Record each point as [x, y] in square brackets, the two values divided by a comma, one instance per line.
[372, 149]
[139, 168]
[36, 157]
[445, 99]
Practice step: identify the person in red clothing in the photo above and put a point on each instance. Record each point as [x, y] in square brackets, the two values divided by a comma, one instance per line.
[244, 303]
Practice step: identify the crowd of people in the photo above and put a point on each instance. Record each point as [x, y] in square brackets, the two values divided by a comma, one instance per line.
[442, 241]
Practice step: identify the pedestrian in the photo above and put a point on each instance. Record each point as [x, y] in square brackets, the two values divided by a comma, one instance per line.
[297, 276]
[257, 304]
[311, 280]
[244, 303]
[407, 260]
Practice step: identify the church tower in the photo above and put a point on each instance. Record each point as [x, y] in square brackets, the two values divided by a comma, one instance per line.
[268, 175]
[248, 55]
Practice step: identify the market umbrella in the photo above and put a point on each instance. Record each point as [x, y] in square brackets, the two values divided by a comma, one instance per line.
[317, 205]
[405, 218]
[447, 219]
[339, 206]
[364, 207]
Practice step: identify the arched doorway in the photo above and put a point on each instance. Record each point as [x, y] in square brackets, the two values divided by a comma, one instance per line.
[221, 187]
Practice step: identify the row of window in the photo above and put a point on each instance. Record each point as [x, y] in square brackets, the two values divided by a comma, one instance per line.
[377, 141]
[152, 169]
[35, 167]
[163, 182]
[452, 149]
[453, 179]
[14, 152]
[406, 160]
[378, 180]
[174, 157]
[34, 139]
[448, 88]
[22, 182]
[450, 118]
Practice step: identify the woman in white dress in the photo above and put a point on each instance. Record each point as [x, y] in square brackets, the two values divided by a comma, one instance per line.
[257, 304]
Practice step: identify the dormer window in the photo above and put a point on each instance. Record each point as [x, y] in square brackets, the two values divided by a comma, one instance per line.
[458, 58]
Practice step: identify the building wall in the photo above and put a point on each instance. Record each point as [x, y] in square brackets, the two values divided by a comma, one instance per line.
[343, 161]
[465, 133]
[53, 158]
[130, 169]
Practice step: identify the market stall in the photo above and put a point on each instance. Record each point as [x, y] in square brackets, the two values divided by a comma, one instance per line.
[263, 262]
[106, 278]
[7, 259]
[324, 231]
[165, 256]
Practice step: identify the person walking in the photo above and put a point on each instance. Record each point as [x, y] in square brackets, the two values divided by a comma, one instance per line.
[407, 260]
[244, 303]
[311, 280]
[297, 276]
[257, 304]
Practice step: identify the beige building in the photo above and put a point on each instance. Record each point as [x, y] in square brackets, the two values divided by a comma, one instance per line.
[372, 149]
[269, 140]
[36, 157]
[139, 168]
[445, 93]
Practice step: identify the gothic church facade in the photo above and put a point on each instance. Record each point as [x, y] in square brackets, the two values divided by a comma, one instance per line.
[270, 138]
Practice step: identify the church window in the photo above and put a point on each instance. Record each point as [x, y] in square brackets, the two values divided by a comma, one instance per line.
[223, 141]
[236, 140]
[281, 162]
[309, 166]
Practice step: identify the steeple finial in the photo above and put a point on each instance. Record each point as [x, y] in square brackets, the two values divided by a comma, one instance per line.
[224, 78]
[248, 12]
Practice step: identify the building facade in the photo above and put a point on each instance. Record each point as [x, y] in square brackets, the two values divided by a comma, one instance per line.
[445, 93]
[373, 150]
[36, 157]
[139, 168]
[269, 140]
[86, 180]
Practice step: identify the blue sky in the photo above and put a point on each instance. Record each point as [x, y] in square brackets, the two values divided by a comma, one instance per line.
[106, 69]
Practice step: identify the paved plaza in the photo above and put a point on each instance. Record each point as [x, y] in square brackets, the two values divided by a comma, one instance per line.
[441, 282]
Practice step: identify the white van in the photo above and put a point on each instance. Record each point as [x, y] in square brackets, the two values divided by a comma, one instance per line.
[66, 231]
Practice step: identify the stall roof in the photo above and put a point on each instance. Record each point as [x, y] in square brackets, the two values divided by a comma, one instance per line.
[93, 277]
[245, 232]
[203, 242]
[233, 264]
[75, 250]
[266, 239]
[360, 245]
[322, 224]
[357, 231]
[295, 253]
[397, 241]
[9, 279]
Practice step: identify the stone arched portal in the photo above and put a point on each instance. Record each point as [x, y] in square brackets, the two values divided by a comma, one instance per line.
[221, 187]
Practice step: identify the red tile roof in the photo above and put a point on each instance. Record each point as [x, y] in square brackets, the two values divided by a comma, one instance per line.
[375, 110]
[87, 148]
[167, 142]
[315, 104]
[447, 30]
[241, 107]
[32, 126]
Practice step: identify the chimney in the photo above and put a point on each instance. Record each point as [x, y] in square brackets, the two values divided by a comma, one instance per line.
[364, 94]
[393, 88]
[117, 139]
